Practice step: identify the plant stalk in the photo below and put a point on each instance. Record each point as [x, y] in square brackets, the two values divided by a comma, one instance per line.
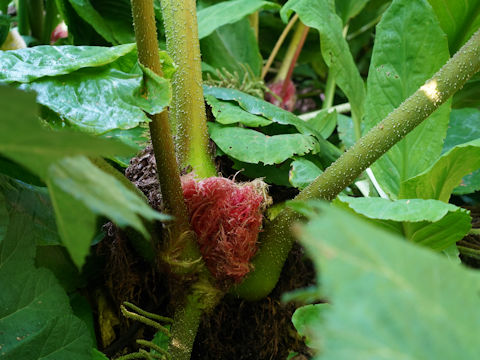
[51, 20]
[163, 147]
[254, 19]
[36, 16]
[277, 239]
[187, 110]
[277, 46]
[23, 22]
[292, 49]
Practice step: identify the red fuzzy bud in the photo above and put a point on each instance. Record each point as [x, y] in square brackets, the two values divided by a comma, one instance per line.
[226, 218]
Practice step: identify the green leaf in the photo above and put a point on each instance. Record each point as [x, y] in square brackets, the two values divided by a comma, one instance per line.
[430, 223]
[348, 9]
[271, 174]
[3, 216]
[406, 39]
[321, 15]
[110, 28]
[324, 122]
[303, 172]
[25, 65]
[227, 113]
[256, 106]
[228, 12]
[233, 47]
[307, 317]
[438, 181]
[345, 130]
[469, 95]
[97, 355]
[99, 194]
[458, 20]
[463, 127]
[390, 299]
[24, 140]
[109, 99]
[253, 147]
[4, 27]
[34, 204]
[36, 321]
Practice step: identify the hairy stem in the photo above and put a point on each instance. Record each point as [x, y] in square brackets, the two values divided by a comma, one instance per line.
[164, 150]
[277, 239]
[187, 111]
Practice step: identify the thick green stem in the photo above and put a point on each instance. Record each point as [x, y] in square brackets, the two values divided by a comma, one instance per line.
[51, 20]
[187, 110]
[277, 239]
[23, 23]
[167, 168]
[254, 19]
[36, 16]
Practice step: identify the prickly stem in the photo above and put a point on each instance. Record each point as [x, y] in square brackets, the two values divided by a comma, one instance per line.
[277, 239]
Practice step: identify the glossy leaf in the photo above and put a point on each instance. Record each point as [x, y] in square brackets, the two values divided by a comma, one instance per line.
[271, 174]
[345, 130]
[25, 65]
[36, 321]
[438, 181]
[458, 20]
[463, 127]
[389, 298]
[233, 47]
[321, 16]
[227, 113]
[303, 172]
[406, 39]
[33, 146]
[100, 100]
[228, 12]
[253, 147]
[430, 223]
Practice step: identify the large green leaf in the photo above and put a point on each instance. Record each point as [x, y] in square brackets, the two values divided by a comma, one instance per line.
[76, 181]
[25, 65]
[233, 47]
[409, 48]
[430, 223]
[36, 321]
[463, 127]
[390, 299]
[34, 204]
[469, 95]
[100, 100]
[321, 15]
[228, 12]
[438, 181]
[24, 140]
[253, 147]
[458, 20]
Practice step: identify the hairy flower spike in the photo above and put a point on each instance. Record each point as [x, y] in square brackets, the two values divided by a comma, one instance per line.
[226, 218]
